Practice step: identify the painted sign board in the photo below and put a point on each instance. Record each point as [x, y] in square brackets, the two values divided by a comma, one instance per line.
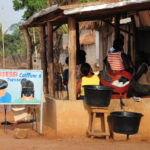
[21, 86]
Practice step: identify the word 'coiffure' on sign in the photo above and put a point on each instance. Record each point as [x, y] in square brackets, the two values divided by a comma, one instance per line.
[21, 86]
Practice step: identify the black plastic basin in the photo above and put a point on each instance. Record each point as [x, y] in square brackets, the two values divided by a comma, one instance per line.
[125, 122]
[96, 95]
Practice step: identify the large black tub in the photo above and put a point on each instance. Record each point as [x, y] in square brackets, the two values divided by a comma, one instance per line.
[125, 122]
[98, 96]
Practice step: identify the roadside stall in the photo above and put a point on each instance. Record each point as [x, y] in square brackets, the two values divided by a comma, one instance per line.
[70, 117]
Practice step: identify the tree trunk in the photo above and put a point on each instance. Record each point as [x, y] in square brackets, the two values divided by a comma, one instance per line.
[29, 48]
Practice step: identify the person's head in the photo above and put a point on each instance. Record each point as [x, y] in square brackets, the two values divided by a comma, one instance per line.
[85, 69]
[3, 86]
[27, 88]
[118, 44]
[81, 57]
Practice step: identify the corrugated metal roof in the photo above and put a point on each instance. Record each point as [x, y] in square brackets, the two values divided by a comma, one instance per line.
[57, 15]
[103, 6]
[40, 14]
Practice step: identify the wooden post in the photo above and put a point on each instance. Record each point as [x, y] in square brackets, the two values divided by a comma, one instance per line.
[117, 24]
[101, 50]
[43, 58]
[72, 48]
[77, 36]
[129, 42]
[50, 58]
[135, 40]
[29, 48]
[34, 39]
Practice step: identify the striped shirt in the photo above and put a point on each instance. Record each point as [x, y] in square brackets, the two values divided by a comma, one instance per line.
[115, 61]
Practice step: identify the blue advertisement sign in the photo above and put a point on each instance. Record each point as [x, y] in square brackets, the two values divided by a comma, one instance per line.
[21, 86]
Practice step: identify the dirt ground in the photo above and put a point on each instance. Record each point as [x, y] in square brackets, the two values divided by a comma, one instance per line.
[49, 140]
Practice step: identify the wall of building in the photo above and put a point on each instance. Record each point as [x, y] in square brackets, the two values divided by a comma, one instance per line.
[71, 118]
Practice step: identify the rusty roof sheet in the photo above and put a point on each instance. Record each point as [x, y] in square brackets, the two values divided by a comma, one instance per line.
[83, 12]
[40, 14]
[118, 4]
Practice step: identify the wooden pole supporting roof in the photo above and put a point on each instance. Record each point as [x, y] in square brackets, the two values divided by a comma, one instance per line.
[72, 58]
[50, 66]
[43, 58]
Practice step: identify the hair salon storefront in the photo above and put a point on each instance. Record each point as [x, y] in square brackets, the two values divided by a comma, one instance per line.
[70, 117]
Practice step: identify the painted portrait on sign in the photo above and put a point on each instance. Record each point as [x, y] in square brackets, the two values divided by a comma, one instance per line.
[27, 93]
[5, 96]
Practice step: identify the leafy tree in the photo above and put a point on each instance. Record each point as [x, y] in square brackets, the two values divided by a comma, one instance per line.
[30, 6]
[14, 42]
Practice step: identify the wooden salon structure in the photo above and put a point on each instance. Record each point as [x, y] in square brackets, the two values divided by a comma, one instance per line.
[70, 117]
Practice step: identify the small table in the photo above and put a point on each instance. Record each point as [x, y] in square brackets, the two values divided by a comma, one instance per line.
[93, 111]
[34, 114]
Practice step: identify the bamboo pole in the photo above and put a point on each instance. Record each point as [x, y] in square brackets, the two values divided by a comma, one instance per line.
[72, 58]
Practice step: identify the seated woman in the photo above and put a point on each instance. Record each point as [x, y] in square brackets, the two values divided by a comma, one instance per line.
[88, 78]
[118, 60]
[120, 81]
[118, 74]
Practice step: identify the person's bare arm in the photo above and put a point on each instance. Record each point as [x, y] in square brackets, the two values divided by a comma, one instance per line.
[78, 89]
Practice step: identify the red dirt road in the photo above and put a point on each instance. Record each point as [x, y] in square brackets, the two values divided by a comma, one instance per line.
[49, 141]
[8, 142]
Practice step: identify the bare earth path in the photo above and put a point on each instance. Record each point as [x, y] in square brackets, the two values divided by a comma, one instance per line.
[8, 142]
[49, 141]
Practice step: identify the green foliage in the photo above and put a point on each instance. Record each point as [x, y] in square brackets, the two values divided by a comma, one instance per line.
[86, 1]
[64, 29]
[30, 6]
[14, 42]
[82, 1]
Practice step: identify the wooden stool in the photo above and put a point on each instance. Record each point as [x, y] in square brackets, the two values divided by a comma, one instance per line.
[93, 111]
